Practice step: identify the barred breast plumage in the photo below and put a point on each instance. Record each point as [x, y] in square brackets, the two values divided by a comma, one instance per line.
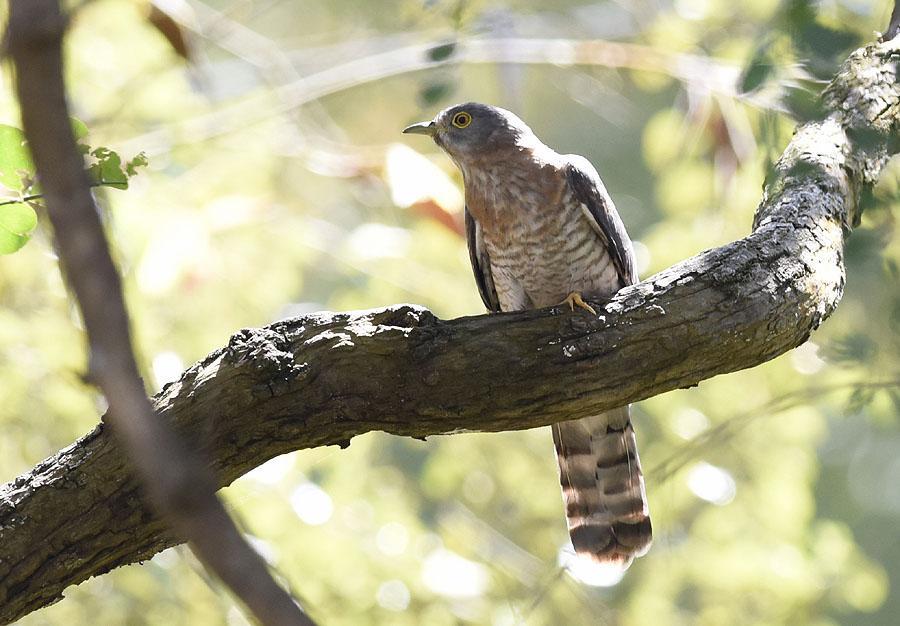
[540, 251]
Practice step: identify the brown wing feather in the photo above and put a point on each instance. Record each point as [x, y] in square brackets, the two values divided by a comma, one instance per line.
[599, 468]
[481, 264]
[590, 191]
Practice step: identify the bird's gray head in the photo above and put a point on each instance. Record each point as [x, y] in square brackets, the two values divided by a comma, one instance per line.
[472, 130]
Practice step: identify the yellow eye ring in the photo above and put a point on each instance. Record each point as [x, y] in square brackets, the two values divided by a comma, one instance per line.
[461, 119]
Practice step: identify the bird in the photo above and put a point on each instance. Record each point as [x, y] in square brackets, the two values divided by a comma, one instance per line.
[543, 231]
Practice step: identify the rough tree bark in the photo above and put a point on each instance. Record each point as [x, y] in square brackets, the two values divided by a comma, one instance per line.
[323, 379]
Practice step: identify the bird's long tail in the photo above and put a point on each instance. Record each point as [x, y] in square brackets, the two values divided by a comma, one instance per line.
[603, 487]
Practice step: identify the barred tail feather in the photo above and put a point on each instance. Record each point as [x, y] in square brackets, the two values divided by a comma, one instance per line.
[603, 487]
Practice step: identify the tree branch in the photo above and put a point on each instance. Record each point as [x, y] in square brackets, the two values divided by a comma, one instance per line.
[323, 379]
[179, 485]
[893, 28]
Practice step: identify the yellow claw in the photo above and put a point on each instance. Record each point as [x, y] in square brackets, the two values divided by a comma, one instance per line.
[574, 299]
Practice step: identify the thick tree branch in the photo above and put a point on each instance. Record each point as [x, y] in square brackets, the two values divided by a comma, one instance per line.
[893, 28]
[180, 486]
[323, 379]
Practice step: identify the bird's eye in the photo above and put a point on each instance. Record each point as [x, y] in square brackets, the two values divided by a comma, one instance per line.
[461, 119]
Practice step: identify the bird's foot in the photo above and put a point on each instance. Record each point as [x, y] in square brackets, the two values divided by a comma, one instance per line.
[574, 299]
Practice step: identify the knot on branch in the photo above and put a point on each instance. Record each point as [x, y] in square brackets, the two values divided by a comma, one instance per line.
[393, 316]
[402, 316]
[268, 352]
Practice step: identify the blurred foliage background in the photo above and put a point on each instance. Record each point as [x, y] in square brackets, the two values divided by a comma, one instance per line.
[278, 184]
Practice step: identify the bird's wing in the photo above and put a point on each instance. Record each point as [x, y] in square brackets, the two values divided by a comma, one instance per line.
[599, 469]
[599, 209]
[481, 264]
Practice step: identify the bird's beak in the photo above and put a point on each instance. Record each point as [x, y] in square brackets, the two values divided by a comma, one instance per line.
[422, 128]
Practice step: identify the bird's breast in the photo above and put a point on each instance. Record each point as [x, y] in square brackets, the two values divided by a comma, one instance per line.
[541, 245]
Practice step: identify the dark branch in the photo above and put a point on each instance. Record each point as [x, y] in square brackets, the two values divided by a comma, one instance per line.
[180, 486]
[323, 379]
[893, 28]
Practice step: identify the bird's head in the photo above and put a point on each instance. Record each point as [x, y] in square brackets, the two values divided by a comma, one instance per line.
[471, 131]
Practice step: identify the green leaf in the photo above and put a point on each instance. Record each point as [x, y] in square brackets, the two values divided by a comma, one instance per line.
[860, 399]
[108, 169]
[895, 398]
[892, 268]
[855, 347]
[14, 157]
[442, 51]
[79, 128]
[803, 104]
[755, 74]
[433, 93]
[822, 46]
[139, 160]
[17, 220]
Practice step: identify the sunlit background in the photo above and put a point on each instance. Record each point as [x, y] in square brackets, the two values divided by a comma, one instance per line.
[278, 184]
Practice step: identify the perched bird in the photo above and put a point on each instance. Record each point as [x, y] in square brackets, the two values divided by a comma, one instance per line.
[543, 231]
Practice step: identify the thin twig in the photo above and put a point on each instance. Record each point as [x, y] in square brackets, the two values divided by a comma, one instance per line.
[38, 196]
[181, 487]
[712, 75]
[667, 468]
